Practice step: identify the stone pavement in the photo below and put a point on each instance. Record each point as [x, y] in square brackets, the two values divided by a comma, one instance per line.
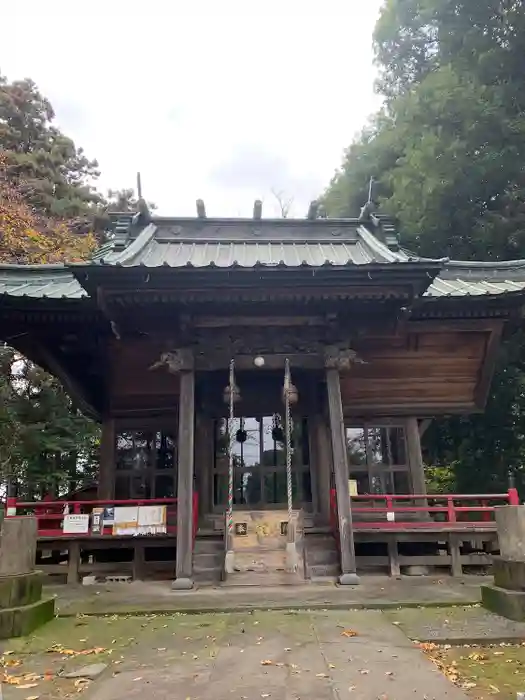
[378, 592]
[458, 625]
[318, 655]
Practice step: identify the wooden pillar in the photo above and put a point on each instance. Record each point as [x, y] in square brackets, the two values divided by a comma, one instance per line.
[204, 461]
[340, 457]
[313, 466]
[184, 564]
[322, 464]
[106, 475]
[415, 458]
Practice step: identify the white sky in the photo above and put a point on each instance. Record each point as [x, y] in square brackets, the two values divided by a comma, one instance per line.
[215, 100]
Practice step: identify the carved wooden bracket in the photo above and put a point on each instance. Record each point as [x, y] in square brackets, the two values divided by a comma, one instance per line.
[341, 359]
[175, 361]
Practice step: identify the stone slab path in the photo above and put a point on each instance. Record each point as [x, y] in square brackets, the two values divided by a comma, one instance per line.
[458, 625]
[329, 655]
[374, 591]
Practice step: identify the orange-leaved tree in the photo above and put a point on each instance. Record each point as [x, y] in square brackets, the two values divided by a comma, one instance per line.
[27, 236]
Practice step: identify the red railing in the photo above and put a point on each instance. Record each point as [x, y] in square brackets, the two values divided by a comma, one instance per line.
[50, 514]
[444, 510]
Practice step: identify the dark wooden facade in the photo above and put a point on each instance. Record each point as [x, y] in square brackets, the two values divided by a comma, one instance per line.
[378, 341]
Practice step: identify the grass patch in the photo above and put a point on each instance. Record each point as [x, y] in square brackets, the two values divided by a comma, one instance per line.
[495, 671]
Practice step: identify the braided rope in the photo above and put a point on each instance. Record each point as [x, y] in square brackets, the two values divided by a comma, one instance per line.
[230, 448]
[288, 431]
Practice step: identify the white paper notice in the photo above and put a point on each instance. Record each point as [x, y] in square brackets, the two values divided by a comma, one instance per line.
[151, 520]
[75, 524]
[126, 520]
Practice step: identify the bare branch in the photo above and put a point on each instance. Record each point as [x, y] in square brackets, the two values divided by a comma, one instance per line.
[284, 202]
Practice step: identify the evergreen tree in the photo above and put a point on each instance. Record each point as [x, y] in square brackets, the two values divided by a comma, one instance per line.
[447, 151]
[57, 178]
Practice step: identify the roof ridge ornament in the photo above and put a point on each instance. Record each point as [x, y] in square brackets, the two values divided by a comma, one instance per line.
[382, 224]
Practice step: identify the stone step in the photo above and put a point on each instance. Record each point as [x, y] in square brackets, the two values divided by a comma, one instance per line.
[203, 575]
[208, 546]
[264, 578]
[210, 559]
[322, 557]
[322, 570]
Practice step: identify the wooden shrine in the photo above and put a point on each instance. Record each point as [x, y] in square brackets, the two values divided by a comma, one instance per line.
[378, 342]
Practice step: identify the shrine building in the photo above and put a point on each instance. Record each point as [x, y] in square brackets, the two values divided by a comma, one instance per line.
[274, 376]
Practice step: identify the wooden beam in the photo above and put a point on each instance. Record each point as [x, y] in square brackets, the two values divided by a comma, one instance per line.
[257, 321]
[489, 364]
[184, 567]
[461, 324]
[220, 360]
[423, 426]
[73, 387]
[321, 458]
[415, 458]
[404, 409]
[107, 466]
[102, 305]
[340, 459]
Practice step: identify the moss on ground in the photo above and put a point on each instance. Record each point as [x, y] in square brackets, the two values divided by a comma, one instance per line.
[495, 671]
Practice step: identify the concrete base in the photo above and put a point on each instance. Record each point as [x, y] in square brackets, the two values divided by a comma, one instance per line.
[22, 620]
[510, 604]
[292, 558]
[182, 584]
[229, 562]
[415, 570]
[18, 545]
[509, 574]
[20, 589]
[349, 580]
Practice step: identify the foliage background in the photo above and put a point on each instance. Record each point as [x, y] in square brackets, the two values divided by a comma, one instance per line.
[447, 151]
[50, 212]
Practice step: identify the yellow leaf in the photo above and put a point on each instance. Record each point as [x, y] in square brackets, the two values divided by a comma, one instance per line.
[26, 686]
[348, 633]
[266, 662]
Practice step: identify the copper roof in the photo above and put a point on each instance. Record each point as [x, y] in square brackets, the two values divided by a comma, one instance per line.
[264, 243]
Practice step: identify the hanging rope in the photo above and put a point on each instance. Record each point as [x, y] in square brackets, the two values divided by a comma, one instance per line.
[231, 437]
[288, 436]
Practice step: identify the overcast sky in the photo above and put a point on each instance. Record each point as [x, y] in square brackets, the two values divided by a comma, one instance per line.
[223, 101]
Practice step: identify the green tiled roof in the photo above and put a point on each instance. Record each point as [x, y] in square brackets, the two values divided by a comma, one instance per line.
[39, 281]
[265, 243]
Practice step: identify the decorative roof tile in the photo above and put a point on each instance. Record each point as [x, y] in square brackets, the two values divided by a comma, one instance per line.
[39, 281]
[249, 243]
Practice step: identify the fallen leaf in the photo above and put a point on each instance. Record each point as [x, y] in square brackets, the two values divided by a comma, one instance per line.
[6, 653]
[26, 686]
[32, 697]
[266, 662]
[348, 633]
[161, 649]
[364, 671]
[321, 675]
[138, 679]
[331, 666]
